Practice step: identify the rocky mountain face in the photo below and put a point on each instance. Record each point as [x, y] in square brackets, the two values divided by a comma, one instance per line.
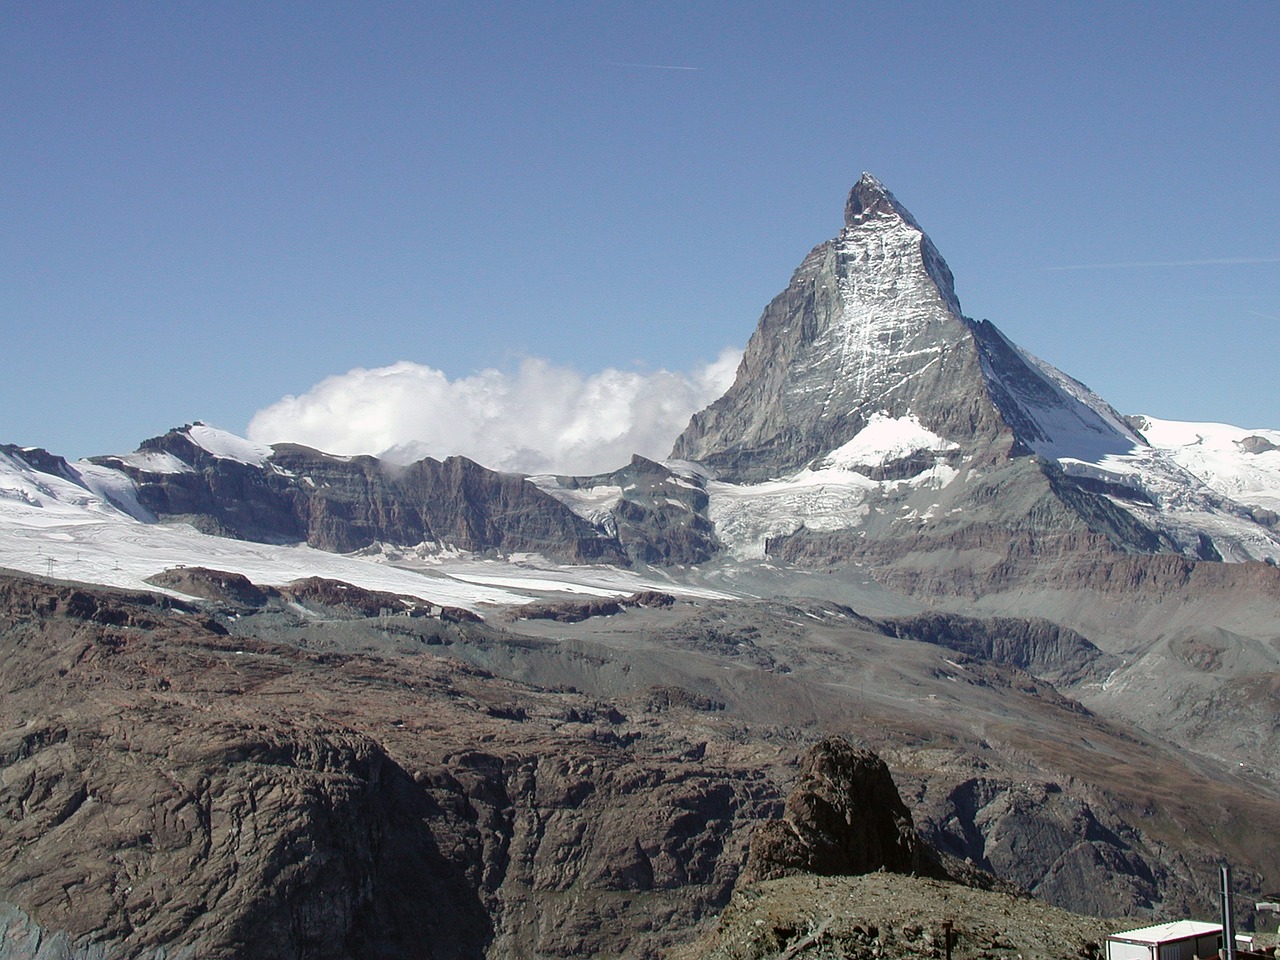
[657, 513]
[169, 789]
[342, 504]
[870, 325]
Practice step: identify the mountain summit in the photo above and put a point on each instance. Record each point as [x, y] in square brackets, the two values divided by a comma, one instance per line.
[870, 326]
[865, 363]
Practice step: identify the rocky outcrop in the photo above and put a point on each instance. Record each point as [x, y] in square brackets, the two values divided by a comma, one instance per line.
[575, 611]
[346, 599]
[843, 817]
[220, 585]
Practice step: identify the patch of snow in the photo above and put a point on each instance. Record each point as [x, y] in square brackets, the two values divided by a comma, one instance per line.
[1218, 456]
[227, 446]
[1056, 416]
[114, 487]
[747, 515]
[593, 504]
[883, 440]
[1181, 505]
[154, 461]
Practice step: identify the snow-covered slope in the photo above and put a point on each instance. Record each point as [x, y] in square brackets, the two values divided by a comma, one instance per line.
[1237, 463]
[69, 523]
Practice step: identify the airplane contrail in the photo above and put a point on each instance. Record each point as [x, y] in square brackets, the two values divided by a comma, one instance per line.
[653, 66]
[1221, 261]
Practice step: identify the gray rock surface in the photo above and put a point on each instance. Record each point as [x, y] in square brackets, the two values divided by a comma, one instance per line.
[869, 324]
[344, 504]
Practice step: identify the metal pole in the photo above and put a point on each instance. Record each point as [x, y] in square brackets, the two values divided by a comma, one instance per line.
[1228, 925]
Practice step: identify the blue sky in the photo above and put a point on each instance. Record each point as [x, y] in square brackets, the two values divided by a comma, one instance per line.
[208, 207]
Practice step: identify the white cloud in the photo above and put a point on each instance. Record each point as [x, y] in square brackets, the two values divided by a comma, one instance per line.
[539, 419]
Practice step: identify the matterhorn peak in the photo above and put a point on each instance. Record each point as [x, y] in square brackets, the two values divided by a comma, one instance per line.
[870, 331]
[870, 325]
[869, 198]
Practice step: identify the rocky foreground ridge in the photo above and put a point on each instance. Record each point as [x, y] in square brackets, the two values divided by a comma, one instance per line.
[844, 874]
[236, 777]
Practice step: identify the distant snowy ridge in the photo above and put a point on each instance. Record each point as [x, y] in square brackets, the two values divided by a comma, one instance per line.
[83, 522]
[1241, 464]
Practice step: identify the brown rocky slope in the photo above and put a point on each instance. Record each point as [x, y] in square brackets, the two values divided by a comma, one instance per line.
[170, 790]
[182, 779]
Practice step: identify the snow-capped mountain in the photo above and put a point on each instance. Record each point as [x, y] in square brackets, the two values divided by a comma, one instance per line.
[866, 400]
[870, 421]
[870, 327]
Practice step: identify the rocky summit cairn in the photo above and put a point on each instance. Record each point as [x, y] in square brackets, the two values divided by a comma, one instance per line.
[844, 817]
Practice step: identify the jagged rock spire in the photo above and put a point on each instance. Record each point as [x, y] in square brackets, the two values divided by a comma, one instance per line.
[869, 197]
[869, 319]
[870, 327]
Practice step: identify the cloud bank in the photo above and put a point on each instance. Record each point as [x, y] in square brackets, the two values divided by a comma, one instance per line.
[539, 419]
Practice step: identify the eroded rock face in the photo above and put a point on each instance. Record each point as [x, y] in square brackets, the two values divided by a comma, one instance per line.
[659, 516]
[167, 789]
[344, 504]
[1040, 647]
[844, 817]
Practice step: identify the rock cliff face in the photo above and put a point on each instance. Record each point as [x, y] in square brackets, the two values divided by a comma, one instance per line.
[343, 504]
